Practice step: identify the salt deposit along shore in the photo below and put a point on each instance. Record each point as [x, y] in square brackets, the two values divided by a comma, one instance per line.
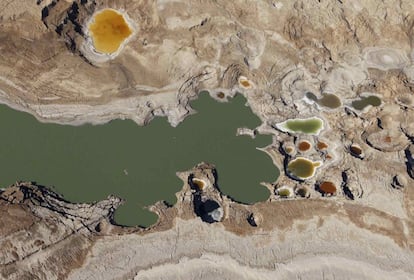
[274, 54]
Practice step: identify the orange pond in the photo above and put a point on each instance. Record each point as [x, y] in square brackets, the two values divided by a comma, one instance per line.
[327, 188]
[322, 145]
[108, 31]
[245, 83]
[304, 146]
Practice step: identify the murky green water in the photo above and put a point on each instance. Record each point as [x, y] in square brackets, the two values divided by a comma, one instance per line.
[327, 100]
[88, 163]
[330, 100]
[366, 101]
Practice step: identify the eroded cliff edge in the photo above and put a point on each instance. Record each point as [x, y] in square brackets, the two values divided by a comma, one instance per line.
[277, 54]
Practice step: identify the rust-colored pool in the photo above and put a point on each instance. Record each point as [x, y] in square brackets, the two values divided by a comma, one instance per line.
[109, 30]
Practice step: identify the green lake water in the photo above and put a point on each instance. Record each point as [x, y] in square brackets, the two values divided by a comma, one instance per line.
[87, 163]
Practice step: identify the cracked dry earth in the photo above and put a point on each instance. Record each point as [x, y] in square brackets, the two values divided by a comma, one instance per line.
[274, 53]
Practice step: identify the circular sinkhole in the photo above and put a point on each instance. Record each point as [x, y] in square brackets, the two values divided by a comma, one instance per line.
[304, 146]
[302, 192]
[327, 188]
[199, 183]
[209, 210]
[285, 192]
[302, 168]
[109, 30]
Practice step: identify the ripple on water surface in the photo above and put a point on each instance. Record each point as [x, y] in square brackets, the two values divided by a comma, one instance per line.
[87, 163]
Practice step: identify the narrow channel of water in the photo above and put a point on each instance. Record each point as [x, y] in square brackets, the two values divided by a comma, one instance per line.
[87, 163]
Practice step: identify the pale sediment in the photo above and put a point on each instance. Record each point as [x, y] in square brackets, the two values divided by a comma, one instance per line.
[140, 109]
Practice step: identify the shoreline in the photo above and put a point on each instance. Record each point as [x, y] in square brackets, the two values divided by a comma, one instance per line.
[280, 221]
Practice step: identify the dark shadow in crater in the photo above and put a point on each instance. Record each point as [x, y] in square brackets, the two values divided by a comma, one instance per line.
[203, 209]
